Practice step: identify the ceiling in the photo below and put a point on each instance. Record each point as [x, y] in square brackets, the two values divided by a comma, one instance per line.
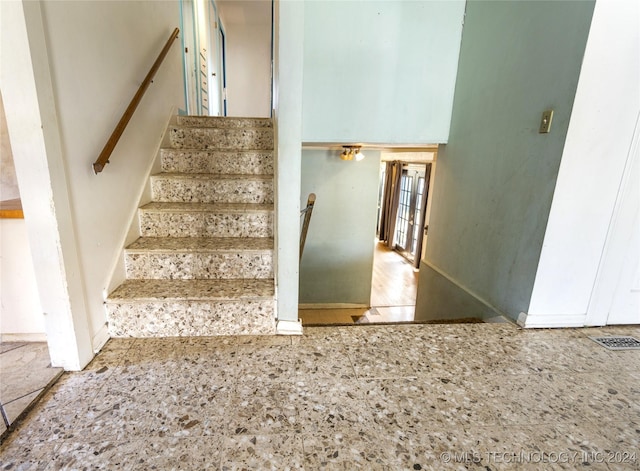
[244, 12]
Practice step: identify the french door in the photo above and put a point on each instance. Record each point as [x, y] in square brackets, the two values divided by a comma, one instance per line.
[410, 211]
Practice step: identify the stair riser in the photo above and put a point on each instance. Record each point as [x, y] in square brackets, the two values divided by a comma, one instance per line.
[162, 224]
[182, 190]
[220, 122]
[191, 318]
[215, 138]
[225, 163]
[185, 266]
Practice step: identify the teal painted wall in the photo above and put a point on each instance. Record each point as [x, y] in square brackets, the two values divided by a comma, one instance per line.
[496, 177]
[338, 257]
[380, 71]
[288, 129]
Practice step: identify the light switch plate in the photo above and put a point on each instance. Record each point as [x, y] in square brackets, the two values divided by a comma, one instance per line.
[545, 122]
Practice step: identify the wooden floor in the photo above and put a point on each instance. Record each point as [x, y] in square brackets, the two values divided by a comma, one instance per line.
[344, 316]
[394, 280]
[393, 294]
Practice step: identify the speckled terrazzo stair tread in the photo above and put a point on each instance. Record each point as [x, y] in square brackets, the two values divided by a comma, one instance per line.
[249, 162]
[209, 188]
[208, 207]
[193, 290]
[254, 138]
[201, 244]
[224, 122]
[206, 220]
[213, 176]
[192, 318]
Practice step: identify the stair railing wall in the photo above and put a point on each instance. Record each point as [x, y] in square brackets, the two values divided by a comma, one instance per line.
[103, 158]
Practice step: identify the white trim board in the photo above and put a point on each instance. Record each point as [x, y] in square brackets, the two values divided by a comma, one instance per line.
[39, 337]
[289, 327]
[101, 338]
[528, 321]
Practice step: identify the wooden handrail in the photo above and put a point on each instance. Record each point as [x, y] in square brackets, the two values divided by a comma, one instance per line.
[311, 201]
[103, 158]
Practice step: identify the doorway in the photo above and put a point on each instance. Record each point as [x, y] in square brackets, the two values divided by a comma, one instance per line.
[406, 184]
[216, 60]
[25, 363]
[204, 65]
[247, 50]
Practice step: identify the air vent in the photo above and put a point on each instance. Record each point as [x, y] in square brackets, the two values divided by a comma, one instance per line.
[618, 343]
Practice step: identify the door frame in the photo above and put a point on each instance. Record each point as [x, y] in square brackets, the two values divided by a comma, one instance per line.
[215, 60]
[191, 63]
[188, 25]
[223, 48]
[619, 238]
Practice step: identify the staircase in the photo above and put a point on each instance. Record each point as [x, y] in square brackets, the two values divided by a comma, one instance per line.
[204, 262]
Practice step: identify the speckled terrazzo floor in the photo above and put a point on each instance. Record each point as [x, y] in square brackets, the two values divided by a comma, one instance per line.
[25, 373]
[465, 396]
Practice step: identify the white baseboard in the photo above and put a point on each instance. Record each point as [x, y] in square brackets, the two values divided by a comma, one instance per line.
[498, 320]
[100, 338]
[37, 337]
[333, 306]
[528, 321]
[289, 327]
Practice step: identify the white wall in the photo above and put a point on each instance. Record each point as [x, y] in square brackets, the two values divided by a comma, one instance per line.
[89, 59]
[604, 115]
[8, 180]
[380, 71]
[248, 57]
[496, 176]
[20, 311]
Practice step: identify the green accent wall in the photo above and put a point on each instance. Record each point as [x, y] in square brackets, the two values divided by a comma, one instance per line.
[337, 263]
[380, 71]
[496, 176]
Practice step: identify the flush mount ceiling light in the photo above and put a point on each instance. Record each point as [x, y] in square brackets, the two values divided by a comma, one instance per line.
[351, 153]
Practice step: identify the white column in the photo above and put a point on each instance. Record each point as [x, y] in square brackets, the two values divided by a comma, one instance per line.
[289, 40]
[25, 81]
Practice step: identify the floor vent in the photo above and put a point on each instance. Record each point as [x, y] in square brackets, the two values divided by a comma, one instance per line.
[618, 343]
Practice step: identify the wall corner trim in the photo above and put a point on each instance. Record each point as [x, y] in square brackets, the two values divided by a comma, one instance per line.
[101, 338]
[522, 319]
[284, 327]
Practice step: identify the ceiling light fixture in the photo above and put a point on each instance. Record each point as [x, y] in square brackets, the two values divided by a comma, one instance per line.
[351, 153]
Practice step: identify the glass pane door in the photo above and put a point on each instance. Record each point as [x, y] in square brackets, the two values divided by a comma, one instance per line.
[404, 211]
[410, 209]
[417, 213]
